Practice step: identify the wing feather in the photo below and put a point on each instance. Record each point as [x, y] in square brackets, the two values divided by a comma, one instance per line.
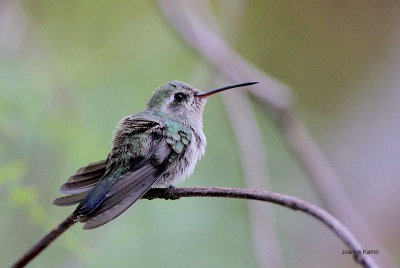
[105, 190]
[81, 183]
[85, 178]
[93, 166]
[130, 187]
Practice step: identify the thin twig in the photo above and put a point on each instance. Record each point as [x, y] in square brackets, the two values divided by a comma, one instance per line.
[175, 193]
[44, 242]
[276, 98]
[280, 199]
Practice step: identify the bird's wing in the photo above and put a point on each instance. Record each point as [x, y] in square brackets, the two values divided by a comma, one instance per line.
[78, 185]
[86, 178]
[159, 145]
[131, 186]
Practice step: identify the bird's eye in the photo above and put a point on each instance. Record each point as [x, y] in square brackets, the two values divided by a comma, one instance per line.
[179, 97]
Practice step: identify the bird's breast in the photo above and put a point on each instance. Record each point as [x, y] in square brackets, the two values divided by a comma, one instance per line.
[185, 163]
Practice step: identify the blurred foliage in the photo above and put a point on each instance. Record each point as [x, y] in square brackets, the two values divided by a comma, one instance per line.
[70, 70]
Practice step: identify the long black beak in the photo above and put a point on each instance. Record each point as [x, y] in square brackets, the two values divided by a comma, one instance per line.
[213, 91]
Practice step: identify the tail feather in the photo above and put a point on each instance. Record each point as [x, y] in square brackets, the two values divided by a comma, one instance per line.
[81, 186]
[78, 185]
[69, 200]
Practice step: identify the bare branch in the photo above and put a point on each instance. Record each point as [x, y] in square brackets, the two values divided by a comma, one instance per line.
[44, 242]
[284, 200]
[175, 193]
[276, 99]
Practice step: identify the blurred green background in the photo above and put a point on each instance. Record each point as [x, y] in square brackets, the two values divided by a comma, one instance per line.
[70, 70]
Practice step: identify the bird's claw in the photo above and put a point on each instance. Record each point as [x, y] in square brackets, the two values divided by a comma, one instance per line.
[169, 194]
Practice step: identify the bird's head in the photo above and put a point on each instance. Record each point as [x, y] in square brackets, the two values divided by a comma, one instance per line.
[183, 102]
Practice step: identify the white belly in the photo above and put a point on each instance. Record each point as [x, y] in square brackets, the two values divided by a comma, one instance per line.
[184, 166]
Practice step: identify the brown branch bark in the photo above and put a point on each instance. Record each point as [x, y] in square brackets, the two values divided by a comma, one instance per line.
[175, 193]
[44, 242]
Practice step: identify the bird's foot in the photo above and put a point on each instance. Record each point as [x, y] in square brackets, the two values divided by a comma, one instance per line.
[169, 194]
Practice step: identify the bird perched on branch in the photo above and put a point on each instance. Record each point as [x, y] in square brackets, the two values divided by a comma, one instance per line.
[157, 147]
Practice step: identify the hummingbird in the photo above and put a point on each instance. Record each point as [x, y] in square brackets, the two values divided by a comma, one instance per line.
[159, 146]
